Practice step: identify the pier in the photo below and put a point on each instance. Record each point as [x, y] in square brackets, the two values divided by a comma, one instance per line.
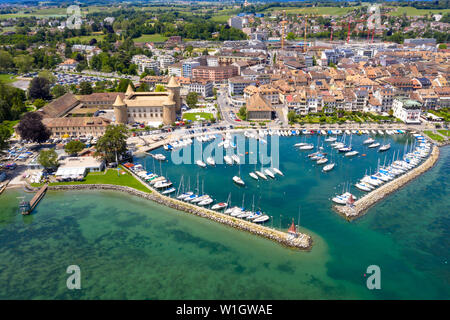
[35, 200]
[362, 205]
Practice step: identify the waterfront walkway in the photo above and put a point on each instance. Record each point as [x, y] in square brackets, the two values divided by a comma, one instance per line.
[361, 206]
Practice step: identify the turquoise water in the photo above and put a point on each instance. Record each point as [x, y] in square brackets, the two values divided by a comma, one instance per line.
[129, 248]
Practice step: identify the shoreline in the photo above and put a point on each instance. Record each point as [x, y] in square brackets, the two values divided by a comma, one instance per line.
[362, 205]
[303, 242]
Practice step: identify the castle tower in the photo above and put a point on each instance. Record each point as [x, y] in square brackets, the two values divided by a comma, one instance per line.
[174, 88]
[129, 91]
[169, 109]
[120, 111]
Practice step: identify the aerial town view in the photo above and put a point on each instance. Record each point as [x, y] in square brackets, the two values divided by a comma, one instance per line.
[224, 150]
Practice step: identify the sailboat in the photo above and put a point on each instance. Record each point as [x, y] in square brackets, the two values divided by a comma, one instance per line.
[237, 179]
[253, 175]
[385, 147]
[277, 171]
[210, 161]
[269, 173]
[228, 160]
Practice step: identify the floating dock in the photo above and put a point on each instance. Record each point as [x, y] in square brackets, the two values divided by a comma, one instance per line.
[27, 208]
[363, 204]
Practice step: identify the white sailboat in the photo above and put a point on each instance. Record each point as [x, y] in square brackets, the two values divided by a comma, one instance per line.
[374, 145]
[322, 160]
[385, 147]
[228, 160]
[253, 175]
[210, 161]
[269, 173]
[200, 163]
[328, 167]
[261, 175]
[277, 171]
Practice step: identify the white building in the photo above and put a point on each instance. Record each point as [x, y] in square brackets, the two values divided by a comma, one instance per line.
[144, 62]
[165, 61]
[203, 88]
[407, 110]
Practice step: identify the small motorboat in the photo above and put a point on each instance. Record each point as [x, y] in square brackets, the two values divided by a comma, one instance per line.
[238, 181]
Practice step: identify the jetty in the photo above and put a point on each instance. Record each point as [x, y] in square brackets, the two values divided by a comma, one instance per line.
[27, 208]
[361, 206]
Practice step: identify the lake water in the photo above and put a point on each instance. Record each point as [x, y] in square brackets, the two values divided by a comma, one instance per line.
[130, 248]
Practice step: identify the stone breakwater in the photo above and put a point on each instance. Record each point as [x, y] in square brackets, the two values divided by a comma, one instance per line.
[362, 205]
[302, 242]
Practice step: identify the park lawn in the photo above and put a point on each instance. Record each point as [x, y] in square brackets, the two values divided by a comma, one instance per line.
[151, 38]
[411, 11]
[192, 116]
[434, 136]
[444, 132]
[110, 177]
[98, 37]
[221, 18]
[7, 78]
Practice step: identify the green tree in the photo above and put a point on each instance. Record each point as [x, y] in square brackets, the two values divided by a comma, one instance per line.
[123, 85]
[85, 88]
[74, 146]
[58, 90]
[5, 134]
[143, 87]
[243, 113]
[39, 103]
[6, 61]
[192, 99]
[23, 63]
[113, 143]
[160, 88]
[442, 46]
[47, 75]
[290, 36]
[39, 89]
[291, 116]
[48, 158]
[31, 128]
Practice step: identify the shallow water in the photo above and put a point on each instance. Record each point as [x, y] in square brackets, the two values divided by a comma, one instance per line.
[130, 248]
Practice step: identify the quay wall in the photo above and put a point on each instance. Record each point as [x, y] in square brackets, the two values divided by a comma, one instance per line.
[361, 206]
[302, 242]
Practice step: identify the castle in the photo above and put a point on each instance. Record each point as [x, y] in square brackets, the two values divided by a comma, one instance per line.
[145, 107]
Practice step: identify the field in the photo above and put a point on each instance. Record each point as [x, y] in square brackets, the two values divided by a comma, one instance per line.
[81, 39]
[434, 136]
[411, 11]
[7, 78]
[444, 132]
[192, 116]
[110, 177]
[151, 38]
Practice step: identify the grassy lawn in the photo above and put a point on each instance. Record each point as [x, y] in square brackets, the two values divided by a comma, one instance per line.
[434, 136]
[221, 18]
[192, 116]
[110, 177]
[98, 37]
[7, 78]
[151, 38]
[444, 132]
[411, 11]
